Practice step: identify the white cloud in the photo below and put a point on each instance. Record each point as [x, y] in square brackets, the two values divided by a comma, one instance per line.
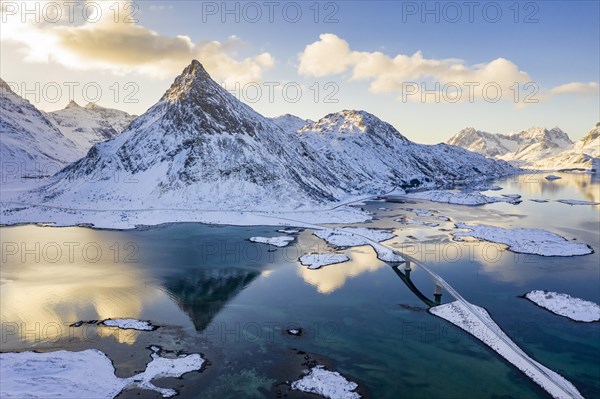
[422, 79]
[576, 88]
[123, 48]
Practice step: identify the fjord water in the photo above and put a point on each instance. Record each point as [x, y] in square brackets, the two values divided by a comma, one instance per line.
[214, 292]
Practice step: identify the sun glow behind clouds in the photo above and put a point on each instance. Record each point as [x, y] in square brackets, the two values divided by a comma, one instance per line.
[100, 38]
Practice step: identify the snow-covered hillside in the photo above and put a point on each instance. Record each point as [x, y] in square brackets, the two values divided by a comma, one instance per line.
[201, 147]
[30, 145]
[89, 125]
[361, 148]
[522, 149]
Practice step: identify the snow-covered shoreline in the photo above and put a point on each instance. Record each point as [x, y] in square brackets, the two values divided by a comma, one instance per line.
[565, 305]
[15, 215]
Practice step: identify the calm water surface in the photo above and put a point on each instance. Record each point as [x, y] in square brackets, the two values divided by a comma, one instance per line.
[214, 292]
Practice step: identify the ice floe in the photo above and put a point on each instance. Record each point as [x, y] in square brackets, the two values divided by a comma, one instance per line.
[130, 324]
[329, 384]
[460, 198]
[85, 374]
[513, 196]
[527, 241]
[357, 236]
[125, 324]
[444, 218]
[553, 177]
[315, 261]
[565, 305]
[417, 222]
[578, 202]
[539, 200]
[282, 241]
[289, 231]
[477, 322]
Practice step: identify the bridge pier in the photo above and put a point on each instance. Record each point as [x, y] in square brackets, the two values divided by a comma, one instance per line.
[437, 294]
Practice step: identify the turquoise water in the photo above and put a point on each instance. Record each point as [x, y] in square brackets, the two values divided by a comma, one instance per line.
[214, 292]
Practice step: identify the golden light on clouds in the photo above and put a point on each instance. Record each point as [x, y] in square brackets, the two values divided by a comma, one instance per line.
[101, 43]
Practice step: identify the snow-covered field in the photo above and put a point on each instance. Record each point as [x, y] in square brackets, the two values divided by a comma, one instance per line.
[527, 241]
[477, 322]
[86, 374]
[328, 384]
[565, 305]
[315, 261]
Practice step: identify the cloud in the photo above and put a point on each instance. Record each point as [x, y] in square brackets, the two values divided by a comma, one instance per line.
[422, 79]
[576, 88]
[124, 48]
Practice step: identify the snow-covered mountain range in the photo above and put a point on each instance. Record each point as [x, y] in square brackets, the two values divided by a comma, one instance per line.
[201, 147]
[89, 125]
[35, 143]
[534, 148]
[520, 148]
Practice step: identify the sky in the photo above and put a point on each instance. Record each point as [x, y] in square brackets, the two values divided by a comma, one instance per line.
[428, 68]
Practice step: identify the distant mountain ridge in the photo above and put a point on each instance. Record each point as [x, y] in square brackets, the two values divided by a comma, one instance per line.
[535, 147]
[519, 148]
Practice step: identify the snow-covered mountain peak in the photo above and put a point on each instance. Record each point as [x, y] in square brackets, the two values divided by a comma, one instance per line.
[196, 104]
[290, 123]
[5, 88]
[93, 106]
[193, 78]
[555, 135]
[72, 104]
[346, 121]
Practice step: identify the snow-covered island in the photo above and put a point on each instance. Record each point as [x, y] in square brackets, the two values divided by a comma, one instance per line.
[316, 261]
[526, 241]
[578, 202]
[460, 198]
[124, 324]
[565, 305]
[281, 241]
[86, 374]
[130, 324]
[328, 384]
[358, 236]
